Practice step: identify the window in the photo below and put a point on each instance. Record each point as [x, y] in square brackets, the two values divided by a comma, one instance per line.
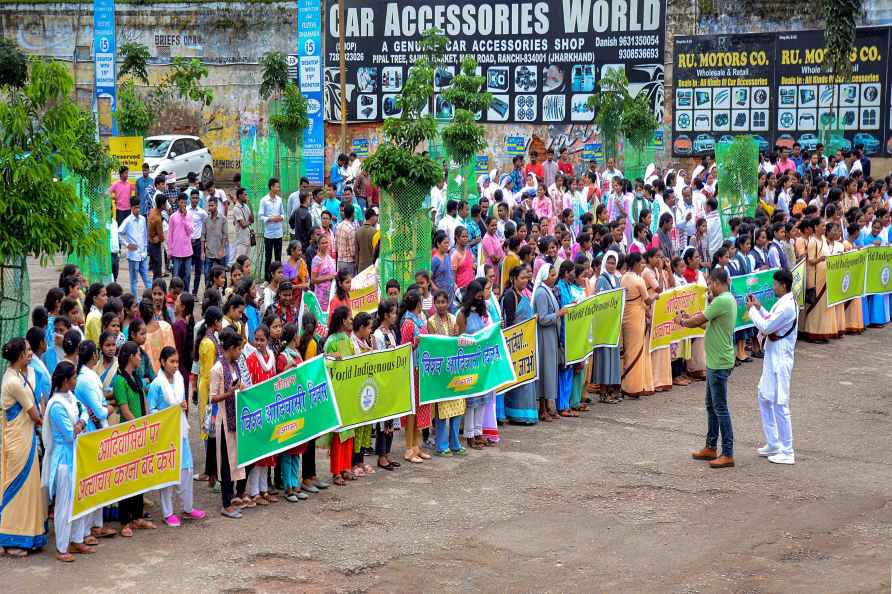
[179, 147]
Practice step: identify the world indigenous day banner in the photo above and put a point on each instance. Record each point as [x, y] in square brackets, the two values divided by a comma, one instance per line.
[541, 58]
[594, 322]
[451, 367]
[522, 340]
[845, 276]
[879, 266]
[773, 86]
[374, 386]
[760, 285]
[285, 411]
[125, 460]
[664, 331]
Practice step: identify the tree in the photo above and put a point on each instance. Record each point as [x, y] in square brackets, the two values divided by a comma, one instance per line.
[13, 64]
[839, 39]
[291, 120]
[464, 137]
[134, 117]
[275, 74]
[43, 128]
[617, 113]
[135, 63]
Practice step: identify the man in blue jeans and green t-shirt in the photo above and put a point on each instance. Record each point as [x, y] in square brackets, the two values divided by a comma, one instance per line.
[719, 319]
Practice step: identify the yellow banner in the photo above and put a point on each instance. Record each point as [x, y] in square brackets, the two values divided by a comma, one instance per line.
[521, 339]
[128, 150]
[364, 291]
[663, 330]
[799, 283]
[125, 460]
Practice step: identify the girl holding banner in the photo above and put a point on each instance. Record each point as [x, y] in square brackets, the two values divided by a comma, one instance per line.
[692, 274]
[854, 315]
[637, 378]
[874, 307]
[225, 381]
[411, 327]
[520, 402]
[820, 321]
[656, 281]
[449, 413]
[549, 313]
[471, 318]
[607, 368]
[338, 344]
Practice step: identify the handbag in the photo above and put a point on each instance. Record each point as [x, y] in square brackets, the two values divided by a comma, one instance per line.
[252, 237]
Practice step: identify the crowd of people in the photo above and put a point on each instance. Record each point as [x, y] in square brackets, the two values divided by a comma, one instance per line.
[542, 236]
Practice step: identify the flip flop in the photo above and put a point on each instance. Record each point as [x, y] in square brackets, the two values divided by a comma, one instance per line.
[63, 557]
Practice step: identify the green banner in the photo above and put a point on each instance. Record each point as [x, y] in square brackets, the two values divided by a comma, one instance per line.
[451, 367]
[594, 322]
[879, 266]
[761, 285]
[285, 411]
[310, 303]
[845, 276]
[373, 387]
[799, 283]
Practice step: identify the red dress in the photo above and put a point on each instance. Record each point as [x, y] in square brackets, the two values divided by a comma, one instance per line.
[261, 368]
[407, 335]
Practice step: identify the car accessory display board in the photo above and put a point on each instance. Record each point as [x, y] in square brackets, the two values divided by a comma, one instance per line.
[774, 87]
[541, 59]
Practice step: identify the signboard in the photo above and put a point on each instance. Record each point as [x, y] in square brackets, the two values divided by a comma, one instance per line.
[593, 152]
[664, 331]
[541, 60]
[374, 386]
[128, 150]
[309, 67]
[761, 286]
[482, 166]
[594, 322]
[127, 459]
[845, 276]
[364, 291]
[515, 145]
[104, 49]
[774, 87]
[284, 411]
[799, 283]
[522, 341]
[879, 266]
[360, 146]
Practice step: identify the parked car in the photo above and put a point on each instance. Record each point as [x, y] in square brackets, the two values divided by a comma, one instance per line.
[682, 145]
[726, 138]
[809, 142]
[870, 144]
[180, 155]
[703, 143]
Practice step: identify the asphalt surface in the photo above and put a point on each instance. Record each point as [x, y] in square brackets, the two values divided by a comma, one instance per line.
[610, 502]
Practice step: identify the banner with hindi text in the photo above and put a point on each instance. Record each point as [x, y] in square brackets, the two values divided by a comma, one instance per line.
[522, 340]
[451, 367]
[845, 276]
[664, 331]
[284, 411]
[594, 322]
[372, 387]
[761, 285]
[127, 459]
[879, 265]
[310, 303]
[364, 291]
[799, 283]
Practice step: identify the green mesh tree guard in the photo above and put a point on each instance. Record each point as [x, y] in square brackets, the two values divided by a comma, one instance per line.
[636, 160]
[405, 236]
[831, 134]
[95, 264]
[738, 179]
[15, 299]
[258, 166]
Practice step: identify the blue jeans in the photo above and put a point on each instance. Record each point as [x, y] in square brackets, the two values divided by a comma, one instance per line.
[208, 264]
[182, 267]
[718, 417]
[138, 268]
[447, 437]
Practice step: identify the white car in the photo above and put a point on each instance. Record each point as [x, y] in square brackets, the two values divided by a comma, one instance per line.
[180, 155]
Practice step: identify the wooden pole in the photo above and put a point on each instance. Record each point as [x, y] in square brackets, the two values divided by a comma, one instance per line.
[342, 51]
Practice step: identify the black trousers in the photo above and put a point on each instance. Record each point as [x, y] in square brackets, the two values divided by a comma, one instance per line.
[210, 457]
[130, 509]
[308, 461]
[155, 260]
[383, 442]
[272, 252]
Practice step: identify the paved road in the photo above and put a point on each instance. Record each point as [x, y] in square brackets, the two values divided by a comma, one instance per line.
[610, 502]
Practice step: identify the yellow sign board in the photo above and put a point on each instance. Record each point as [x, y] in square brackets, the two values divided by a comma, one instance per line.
[664, 331]
[521, 339]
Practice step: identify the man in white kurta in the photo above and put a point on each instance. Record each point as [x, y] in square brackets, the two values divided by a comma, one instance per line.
[779, 328]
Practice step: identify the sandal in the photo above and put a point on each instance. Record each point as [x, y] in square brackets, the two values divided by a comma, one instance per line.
[270, 496]
[260, 500]
[545, 419]
[126, 531]
[248, 503]
[19, 553]
[63, 557]
[424, 456]
[339, 481]
[237, 502]
[91, 541]
[415, 460]
[368, 469]
[358, 471]
[144, 524]
[350, 476]
[104, 532]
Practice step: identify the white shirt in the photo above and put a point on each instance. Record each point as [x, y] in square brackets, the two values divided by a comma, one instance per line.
[448, 224]
[270, 207]
[609, 174]
[134, 231]
[199, 216]
[777, 367]
[438, 201]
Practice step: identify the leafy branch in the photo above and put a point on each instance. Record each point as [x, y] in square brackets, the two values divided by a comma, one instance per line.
[275, 74]
[617, 113]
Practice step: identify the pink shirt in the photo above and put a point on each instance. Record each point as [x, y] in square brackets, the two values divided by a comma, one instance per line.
[492, 250]
[122, 192]
[179, 235]
[542, 207]
[785, 165]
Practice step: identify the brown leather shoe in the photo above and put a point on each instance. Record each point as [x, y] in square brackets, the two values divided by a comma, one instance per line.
[705, 454]
[722, 462]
